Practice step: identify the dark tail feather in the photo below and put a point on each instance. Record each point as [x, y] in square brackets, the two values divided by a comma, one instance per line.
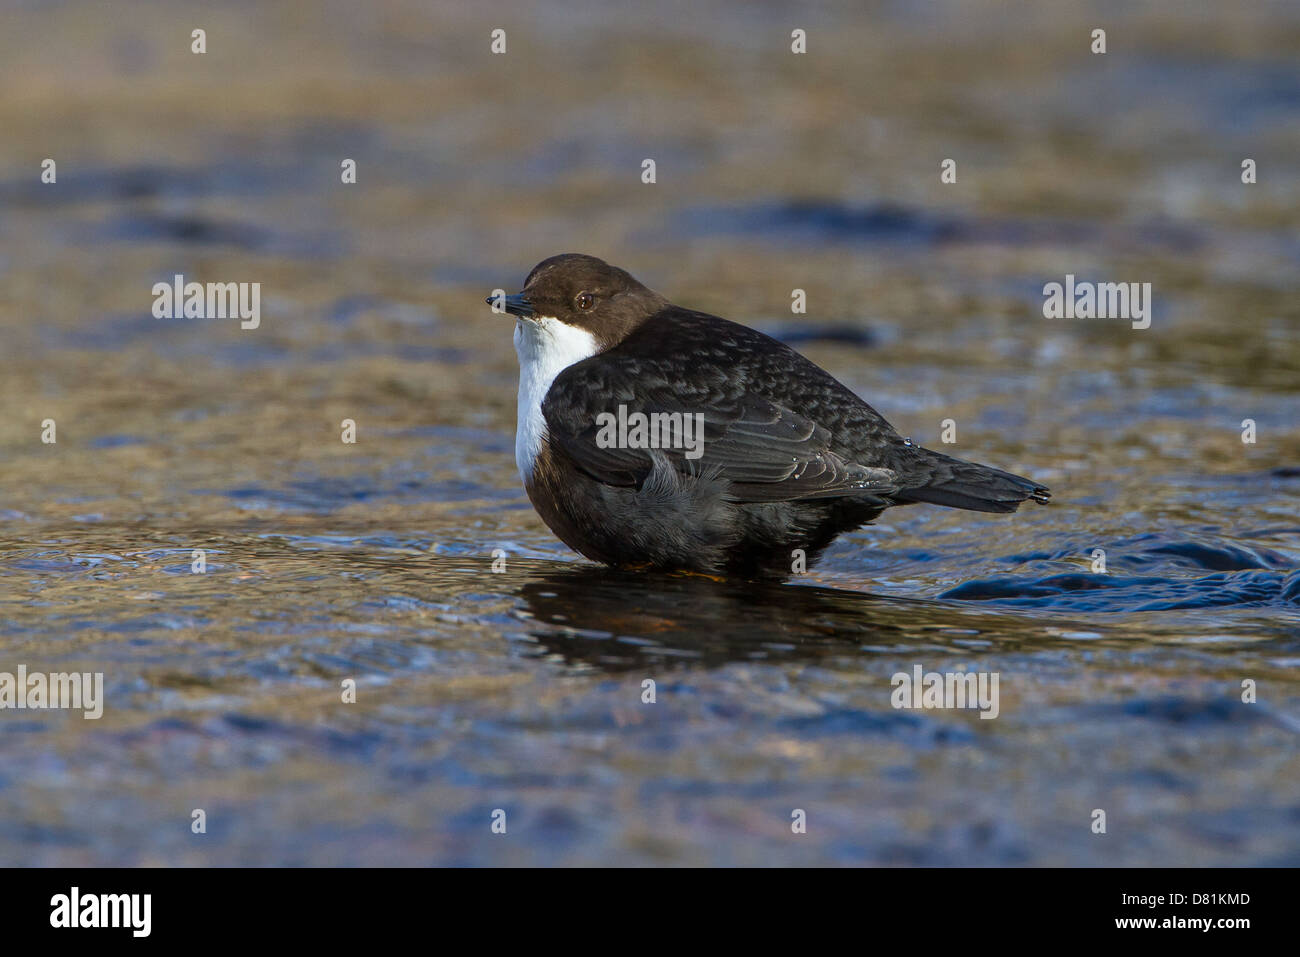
[943, 480]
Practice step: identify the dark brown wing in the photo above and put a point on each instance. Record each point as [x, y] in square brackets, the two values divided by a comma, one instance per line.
[767, 453]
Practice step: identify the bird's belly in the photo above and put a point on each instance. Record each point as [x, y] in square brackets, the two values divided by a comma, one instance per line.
[675, 522]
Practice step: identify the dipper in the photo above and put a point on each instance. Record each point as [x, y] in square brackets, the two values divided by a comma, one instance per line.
[655, 436]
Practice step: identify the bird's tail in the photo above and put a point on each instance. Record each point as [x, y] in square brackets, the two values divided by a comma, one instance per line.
[943, 480]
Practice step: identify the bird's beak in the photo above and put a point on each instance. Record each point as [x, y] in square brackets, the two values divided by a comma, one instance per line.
[516, 305]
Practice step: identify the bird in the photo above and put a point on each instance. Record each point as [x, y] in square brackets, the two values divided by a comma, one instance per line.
[656, 437]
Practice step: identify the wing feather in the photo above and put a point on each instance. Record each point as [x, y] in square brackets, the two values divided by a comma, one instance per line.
[765, 452]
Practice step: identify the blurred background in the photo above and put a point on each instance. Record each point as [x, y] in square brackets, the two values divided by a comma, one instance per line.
[522, 690]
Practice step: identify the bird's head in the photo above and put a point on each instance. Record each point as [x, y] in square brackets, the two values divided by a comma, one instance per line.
[583, 293]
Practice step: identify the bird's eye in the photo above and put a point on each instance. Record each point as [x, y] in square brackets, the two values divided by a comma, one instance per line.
[585, 300]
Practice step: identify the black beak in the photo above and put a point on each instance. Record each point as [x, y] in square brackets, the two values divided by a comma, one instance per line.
[516, 305]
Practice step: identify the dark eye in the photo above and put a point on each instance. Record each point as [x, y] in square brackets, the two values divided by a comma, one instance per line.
[585, 300]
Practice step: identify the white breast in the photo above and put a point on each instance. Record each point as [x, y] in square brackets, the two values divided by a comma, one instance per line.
[546, 347]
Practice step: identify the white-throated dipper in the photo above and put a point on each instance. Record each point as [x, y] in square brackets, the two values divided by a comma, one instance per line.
[656, 436]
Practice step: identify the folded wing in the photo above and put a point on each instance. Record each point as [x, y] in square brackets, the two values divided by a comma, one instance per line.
[765, 452]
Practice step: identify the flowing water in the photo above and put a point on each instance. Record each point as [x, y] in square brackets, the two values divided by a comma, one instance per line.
[518, 684]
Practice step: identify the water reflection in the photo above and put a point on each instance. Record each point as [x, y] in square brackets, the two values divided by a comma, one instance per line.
[615, 620]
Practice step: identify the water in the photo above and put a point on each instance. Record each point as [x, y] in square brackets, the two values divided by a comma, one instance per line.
[522, 690]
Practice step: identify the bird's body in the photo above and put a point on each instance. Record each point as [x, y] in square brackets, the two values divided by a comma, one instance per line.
[786, 457]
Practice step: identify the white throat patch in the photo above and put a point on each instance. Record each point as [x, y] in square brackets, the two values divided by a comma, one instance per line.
[546, 347]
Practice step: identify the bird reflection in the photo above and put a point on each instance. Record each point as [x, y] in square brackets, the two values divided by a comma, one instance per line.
[615, 620]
